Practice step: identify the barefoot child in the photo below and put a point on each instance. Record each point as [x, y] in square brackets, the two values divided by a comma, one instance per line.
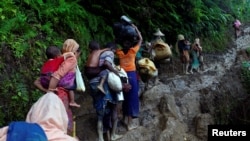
[92, 68]
[104, 73]
[55, 59]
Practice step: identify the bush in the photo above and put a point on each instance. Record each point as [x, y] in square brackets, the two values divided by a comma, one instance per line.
[245, 75]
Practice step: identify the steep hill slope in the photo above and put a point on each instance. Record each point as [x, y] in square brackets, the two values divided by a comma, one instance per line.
[181, 106]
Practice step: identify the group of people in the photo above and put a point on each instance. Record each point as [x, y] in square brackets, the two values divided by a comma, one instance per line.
[51, 116]
[190, 54]
[99, 64]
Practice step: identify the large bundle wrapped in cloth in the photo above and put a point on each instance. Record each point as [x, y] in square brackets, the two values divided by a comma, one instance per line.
[147, 69]
[160, 50]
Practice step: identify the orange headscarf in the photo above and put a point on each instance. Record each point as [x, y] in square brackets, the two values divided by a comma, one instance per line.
[70, 45]
[69, 65]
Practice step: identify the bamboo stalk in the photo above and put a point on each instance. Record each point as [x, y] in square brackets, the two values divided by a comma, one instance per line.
[74, 127]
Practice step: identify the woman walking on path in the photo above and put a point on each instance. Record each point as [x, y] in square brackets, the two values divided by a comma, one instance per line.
[196, 53]
[127, 57]
[68, 66]
[237, 25]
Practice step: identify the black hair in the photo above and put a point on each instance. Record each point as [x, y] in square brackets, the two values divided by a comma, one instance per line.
[93, 45]
[52, 52]
[126, 45]
[111, 45]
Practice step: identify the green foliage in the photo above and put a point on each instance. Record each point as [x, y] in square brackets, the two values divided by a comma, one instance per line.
[240, 9]
[27, 27]
[200, 18]
[14, 105]
[11, 22]
[248, 51]
[245, 75]
[224, 105]
[218, 44]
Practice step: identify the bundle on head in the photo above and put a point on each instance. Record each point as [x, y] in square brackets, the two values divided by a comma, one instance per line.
[125, 34]
[147, 69]
[161, 50]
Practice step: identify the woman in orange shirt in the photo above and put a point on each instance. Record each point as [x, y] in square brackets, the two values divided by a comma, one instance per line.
[127, 57]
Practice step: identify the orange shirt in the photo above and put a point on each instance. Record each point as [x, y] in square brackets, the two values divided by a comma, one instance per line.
[127, 61]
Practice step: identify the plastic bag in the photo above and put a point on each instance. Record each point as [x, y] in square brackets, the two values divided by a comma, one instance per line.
[114, 82]
[80, 86]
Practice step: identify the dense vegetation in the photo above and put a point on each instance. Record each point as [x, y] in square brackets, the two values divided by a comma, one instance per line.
[27, 27]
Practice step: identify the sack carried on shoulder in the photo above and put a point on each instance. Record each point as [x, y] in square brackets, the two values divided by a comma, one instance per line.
[80, 86]
[161, 51]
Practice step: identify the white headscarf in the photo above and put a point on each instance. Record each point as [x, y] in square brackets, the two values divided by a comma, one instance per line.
[49, 112]
[3, 133]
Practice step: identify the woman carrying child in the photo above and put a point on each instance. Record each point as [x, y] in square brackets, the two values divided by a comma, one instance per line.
[68, 66]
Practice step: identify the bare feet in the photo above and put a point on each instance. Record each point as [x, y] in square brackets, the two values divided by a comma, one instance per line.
[100, 139]
[116, 137]
[101, 89]
[131, 127]
[73, 104]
